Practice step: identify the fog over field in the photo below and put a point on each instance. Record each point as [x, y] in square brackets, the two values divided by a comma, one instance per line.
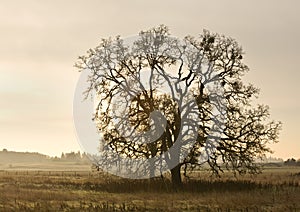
[40, 42]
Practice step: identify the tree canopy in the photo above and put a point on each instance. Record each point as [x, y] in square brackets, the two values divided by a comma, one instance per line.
[176, 104]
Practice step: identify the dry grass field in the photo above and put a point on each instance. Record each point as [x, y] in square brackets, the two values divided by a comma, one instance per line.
[276, 189]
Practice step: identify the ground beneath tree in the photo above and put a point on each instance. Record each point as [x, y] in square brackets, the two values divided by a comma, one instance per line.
[277, 189]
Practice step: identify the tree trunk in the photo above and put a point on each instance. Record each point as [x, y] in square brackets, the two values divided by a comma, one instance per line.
[176, 177]
[152, 168]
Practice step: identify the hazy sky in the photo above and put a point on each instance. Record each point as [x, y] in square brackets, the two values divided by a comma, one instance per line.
[40, 41]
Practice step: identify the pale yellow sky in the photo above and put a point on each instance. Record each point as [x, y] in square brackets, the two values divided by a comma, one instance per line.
[40, 41]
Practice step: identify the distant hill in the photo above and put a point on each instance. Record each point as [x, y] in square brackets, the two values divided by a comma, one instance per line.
[11, 160]
[35, 157]
[21, 157]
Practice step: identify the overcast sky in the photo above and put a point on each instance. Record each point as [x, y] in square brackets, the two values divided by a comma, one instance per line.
[40, 41]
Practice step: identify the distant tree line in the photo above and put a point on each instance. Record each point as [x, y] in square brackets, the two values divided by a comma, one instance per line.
[73, 156]
[292, 162]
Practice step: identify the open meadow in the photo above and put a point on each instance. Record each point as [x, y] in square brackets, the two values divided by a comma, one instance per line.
[276, 189]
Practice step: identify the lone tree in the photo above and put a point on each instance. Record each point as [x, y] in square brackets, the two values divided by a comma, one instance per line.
[180, 103]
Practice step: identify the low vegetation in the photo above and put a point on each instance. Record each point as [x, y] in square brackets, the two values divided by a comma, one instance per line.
[276, 189]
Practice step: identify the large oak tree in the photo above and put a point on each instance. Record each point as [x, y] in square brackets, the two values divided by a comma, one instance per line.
[181, 103]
